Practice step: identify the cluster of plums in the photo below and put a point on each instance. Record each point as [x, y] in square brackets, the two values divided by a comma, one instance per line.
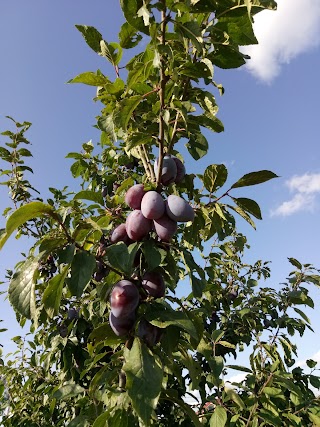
[150, 212]
[124, 300]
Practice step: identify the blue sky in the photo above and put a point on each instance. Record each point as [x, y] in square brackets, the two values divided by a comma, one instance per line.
[270, 111]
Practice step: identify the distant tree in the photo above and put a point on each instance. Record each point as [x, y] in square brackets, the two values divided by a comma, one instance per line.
[111, 343]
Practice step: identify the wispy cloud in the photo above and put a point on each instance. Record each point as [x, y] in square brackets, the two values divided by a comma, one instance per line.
[293, 29]
[305, 188]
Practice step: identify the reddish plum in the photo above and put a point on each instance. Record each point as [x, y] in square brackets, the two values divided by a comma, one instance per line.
[124, 298]
[152, 205]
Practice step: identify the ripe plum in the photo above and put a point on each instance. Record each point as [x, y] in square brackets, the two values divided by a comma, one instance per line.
[165, 228]
[178, 209]
[153, 283]
[152, 205]
[124, 298]
[134, 196]
[169, 170]
[137, 226]
[121, 325]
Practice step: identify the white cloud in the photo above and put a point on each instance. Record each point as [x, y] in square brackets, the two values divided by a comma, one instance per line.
[283, 34]
[305, 188]
[307, 183]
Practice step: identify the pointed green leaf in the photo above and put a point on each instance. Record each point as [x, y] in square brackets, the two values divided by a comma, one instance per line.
[295, 263]
[239, 368]
[219, 417]
[126, 108]
[90, 78]
[68, 390]
[254, 178]
[191, 30]
[197, 145]
[121, 257]
[91, 36]
[22, 215]
[214, 177]
[82, 267]
[144, 375]
[130, 10]
[52, 294]
[90, 195]
[249, 206]
[163, 315]
[128, 36]
[22, 288]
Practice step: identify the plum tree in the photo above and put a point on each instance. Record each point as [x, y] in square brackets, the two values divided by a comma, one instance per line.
[153, 284]
[137, 226]
[124, 298]
[164, 345]
[178, 209]
[152, 205]
[134, 196]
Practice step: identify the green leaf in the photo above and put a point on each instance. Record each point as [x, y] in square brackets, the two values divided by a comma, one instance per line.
[315, 419]
[121, 257]
[243, 214]
[239, 368]
[126, 108]
[233, 395]
[248, 205]
[238, 26]
[214, 177]
[153, 255]
[82, 268]
[254, 178]
[105, 333]
[227, 56]
[52, 294]
[162, 315]
[128, 36]
[130, 10]
[295, 263]
[191, 30]
[91, 36]
[111, 51]
[197, 145]
[219, 417]
[68, 390]
[311, 363]
[90, 78]
[22, 215]
[22, 288]
[90, 195]
[144, 375]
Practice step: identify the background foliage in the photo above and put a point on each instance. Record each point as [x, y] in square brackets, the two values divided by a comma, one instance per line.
[74, 371]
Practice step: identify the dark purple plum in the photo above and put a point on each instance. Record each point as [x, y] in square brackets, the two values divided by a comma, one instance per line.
[124, 298]
[153, 284]
[134, 196]
[152, 205]
[137, 226]
[181, 170]
[119, 234]
[178, 209]
[165, 228]
[169, 170]
[73, 313]
[149, 333]
[121, 326]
